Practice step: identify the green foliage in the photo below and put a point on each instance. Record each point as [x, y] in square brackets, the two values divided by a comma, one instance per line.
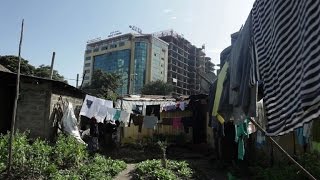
[67, 159]
[157, 88]
[44, 71]
[283, 170]
[27, 160]
[152, 169]
[103, 85]
[68, 174]
[68, 152]
[38, 159]
[162, 174]
[11, 63]
[181, 168]
[101, 168]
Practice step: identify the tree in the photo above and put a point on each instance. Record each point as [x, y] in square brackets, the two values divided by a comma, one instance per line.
[157, 88]
[44, 71]
[11, 63]
[103, 85]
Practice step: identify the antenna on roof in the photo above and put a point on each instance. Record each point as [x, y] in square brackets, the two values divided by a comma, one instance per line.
[136, 29]
[114, 33]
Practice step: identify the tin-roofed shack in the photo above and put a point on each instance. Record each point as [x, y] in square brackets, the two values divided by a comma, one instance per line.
[36, 101]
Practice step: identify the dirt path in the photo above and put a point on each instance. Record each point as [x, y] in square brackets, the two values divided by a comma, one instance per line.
[125, 174]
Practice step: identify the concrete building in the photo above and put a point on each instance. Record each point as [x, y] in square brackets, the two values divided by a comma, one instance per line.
[138, 58]
[185, 62]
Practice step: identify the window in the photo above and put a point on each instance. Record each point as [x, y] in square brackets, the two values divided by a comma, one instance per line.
[96, 50]
[88, 51]
[87, 65]
[113, 46]
[104, 48]
[155, 54]
[162, 58]
[116, 61]
[87, 71]
[86, 78]
[88, 58]
[121, 44]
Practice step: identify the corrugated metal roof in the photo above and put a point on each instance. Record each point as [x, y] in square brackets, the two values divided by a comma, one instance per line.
[2, 68]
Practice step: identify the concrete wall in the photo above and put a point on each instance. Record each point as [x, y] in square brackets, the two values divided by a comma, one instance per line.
[33, 109]
[76, 101]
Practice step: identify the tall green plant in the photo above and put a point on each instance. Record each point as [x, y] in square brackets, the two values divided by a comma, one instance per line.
[68, 152]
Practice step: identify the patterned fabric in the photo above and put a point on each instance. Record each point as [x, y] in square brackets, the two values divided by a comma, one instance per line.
[287, 42]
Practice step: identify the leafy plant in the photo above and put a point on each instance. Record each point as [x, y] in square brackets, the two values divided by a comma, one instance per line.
[38, 159]
[157, 88]
[284, 170]
[68, 152]
[67, 159]
[101, 168]
[152, 169]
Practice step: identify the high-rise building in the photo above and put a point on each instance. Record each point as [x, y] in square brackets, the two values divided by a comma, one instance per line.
[138, 58]
[185, 62]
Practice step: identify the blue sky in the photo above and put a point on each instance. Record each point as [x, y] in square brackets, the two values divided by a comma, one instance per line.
[64, 26]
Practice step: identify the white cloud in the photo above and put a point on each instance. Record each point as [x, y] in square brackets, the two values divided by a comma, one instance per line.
[166, 11]
[173, 18]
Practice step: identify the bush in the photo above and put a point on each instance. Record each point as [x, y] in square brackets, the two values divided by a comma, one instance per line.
[67, 159]
[38, 160]
[66, 174]
[21, 148]
[101, 168]
[283, 170]
[152, 169]
[68, 152]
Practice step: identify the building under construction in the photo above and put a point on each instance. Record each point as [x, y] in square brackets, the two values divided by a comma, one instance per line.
[186, 63]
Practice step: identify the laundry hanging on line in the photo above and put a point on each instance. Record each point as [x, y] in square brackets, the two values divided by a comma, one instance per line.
[287, 61]
[92, 105]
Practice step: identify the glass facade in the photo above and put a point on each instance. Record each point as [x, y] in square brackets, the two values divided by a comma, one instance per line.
[140, 61]
[115, 62]
[156, 65]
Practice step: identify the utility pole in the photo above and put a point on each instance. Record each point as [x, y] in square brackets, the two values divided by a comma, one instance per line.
[77, 80]
[11, 139]
[52, 62]
[82, 80]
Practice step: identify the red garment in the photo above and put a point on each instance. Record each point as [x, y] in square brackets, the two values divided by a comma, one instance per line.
[176, 123]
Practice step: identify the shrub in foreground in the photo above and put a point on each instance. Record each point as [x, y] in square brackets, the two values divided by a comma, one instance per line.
[67, 159]
[152, 169]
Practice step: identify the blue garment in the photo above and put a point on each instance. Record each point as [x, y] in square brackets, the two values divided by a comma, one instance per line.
[303, 134]
[299, 135]
[260, 139]
[241, 133]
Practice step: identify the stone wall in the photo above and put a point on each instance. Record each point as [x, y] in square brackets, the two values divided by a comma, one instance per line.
[33, 109]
